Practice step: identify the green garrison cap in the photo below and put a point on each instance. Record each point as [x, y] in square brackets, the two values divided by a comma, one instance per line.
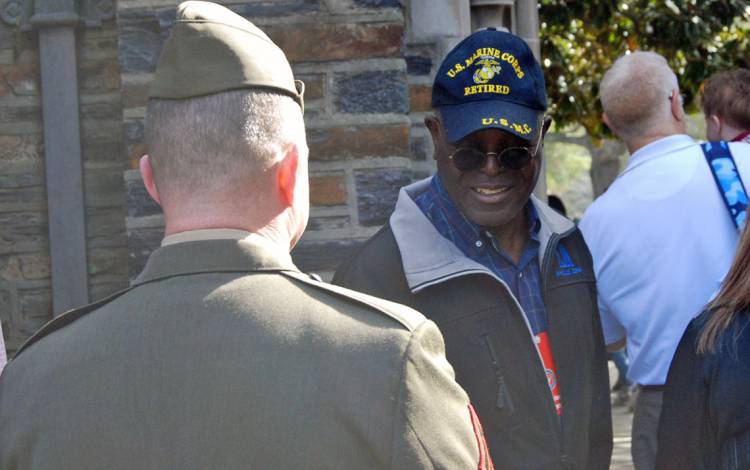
[212, 49]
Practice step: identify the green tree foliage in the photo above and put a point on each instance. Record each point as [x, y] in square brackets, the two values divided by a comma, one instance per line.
[581, 39]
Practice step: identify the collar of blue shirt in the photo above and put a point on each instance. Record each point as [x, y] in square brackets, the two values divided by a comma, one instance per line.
[661, 147]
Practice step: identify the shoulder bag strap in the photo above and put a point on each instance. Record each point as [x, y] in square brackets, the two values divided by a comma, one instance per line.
[728, 180]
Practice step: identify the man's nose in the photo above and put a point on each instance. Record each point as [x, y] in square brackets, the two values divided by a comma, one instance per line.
[492, 164]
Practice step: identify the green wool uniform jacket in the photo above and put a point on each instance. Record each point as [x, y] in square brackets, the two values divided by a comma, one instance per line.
[222, 355]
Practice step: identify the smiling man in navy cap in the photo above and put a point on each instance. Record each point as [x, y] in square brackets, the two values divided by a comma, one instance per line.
[508, 280]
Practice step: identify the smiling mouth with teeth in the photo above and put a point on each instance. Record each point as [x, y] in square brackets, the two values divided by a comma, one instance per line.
[491, 191]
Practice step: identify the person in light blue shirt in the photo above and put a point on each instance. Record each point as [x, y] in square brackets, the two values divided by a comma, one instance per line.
[661, 237]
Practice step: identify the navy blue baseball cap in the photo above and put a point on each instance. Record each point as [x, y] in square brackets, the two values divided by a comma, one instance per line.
[491, 79]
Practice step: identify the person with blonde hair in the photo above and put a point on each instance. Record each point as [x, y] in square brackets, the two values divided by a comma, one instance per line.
[705, 421]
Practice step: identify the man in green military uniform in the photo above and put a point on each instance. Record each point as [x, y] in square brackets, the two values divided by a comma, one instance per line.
[222, 354]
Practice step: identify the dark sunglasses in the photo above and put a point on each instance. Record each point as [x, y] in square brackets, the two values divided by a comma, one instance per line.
[513, 158]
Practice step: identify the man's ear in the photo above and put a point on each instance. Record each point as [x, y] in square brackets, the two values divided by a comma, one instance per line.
[433, 125]
[286, 174]
[676, 105]
[147, 173]
[546, 124]
[605, 118]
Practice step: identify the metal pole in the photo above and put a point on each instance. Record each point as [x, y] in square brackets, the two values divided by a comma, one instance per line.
[62, 152]
[527, 23]
[527, 26]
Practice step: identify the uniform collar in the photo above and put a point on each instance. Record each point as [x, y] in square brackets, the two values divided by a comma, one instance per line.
[250, 254]
[205, 234]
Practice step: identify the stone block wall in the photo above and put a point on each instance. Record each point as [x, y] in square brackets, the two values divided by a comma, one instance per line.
[351, 55]
[422, 60]
[368, 84]
[25, 292]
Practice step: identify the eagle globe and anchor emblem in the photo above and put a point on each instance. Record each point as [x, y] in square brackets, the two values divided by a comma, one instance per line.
[488, 68]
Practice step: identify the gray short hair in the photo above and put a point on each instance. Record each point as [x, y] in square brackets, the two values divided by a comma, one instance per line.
[634, 93]
[212, 141]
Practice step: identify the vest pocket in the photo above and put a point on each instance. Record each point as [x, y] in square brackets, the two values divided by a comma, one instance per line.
[503, 401]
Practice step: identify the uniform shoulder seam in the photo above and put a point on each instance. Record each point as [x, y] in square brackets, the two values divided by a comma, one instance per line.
[383, 306]
[66, 319]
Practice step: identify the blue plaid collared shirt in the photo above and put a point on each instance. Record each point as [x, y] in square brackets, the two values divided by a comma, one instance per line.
[524, 278]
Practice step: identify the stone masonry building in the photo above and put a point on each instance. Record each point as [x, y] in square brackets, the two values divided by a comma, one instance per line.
[77, 225]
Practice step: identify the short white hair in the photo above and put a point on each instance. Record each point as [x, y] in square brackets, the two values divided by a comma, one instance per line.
[635, 93]
[212, 142]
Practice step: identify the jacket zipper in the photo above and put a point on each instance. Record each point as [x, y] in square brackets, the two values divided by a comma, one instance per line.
[502, 390]
[503, 397]
[501, 383]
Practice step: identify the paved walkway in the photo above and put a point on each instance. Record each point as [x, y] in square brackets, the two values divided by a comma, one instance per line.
[621, 420]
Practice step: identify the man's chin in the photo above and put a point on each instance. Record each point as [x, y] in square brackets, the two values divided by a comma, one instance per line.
[488, 221]
[492, 218]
